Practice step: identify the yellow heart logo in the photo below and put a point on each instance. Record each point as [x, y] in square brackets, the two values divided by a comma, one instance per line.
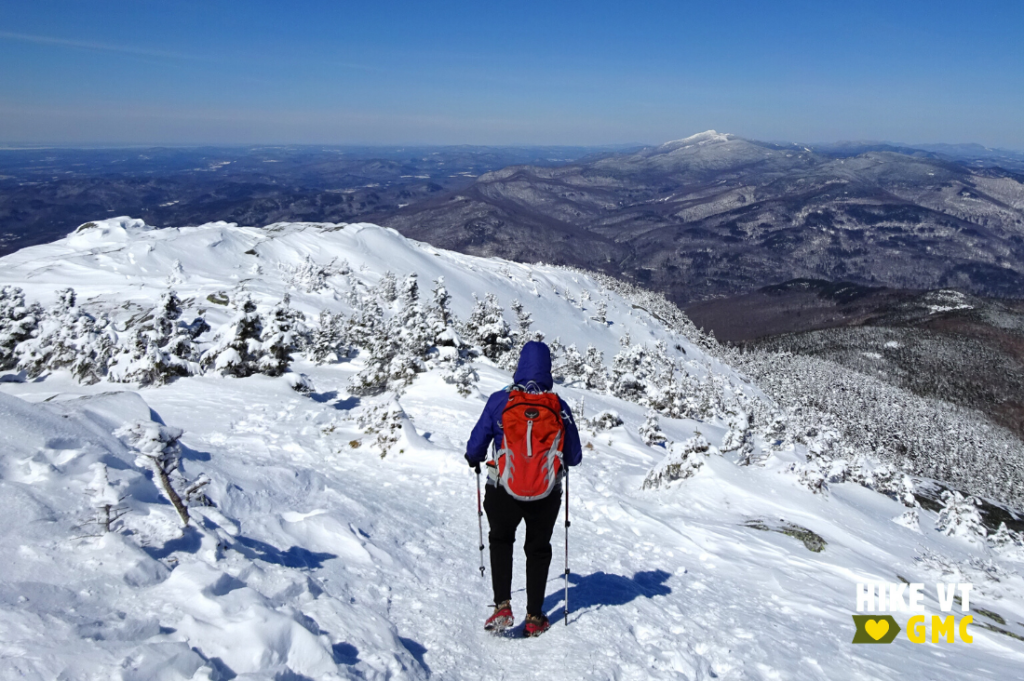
[876, 628]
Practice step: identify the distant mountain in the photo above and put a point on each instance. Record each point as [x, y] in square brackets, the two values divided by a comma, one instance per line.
[970, 154]
[45, 193]
[715, 214]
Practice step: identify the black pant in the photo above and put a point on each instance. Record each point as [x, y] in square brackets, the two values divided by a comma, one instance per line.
[503, 515]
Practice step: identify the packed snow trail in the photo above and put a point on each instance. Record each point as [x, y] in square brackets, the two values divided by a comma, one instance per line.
[324, 560]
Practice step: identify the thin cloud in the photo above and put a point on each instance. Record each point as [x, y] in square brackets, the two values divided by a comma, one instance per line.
[97, 47]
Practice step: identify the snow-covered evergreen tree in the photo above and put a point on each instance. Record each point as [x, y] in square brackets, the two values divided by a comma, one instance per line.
[327, 338]
[631, 368]
[441, 324]
[160, 347]
[412, 328]
[1007, 542]
[739, 427]
[312, 277]
[910, 519]
[18, 323]
[683, 461]
[441, 304]
[365, 324]
[487, 328]
[379, 350]
[284, 333]
[960, 517]
[387, 288]
[410, 293]
[69, 338]
[397, 349]
[462, 375]
[520, 336]
[605, 420]
[595, 374]
[601, 316]
[240, 348]
[650, 430]
[524, 320]
[571, 368]
[775, 432]
[749, 456]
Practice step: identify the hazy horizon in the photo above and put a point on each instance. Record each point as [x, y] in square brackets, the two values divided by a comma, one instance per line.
[6, 146]
[534, 74]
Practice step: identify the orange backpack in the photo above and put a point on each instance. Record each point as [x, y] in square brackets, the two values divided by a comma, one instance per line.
[530, 458]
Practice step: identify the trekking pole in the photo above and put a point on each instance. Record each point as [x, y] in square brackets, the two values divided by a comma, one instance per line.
[480, 519]
[567, 546]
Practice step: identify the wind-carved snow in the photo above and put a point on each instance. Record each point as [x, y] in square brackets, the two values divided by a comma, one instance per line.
[323, 559]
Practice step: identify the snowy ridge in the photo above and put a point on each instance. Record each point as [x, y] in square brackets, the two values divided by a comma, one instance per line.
[326, 555]
[706, 137]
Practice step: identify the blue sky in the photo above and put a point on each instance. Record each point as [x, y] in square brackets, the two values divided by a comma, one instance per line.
[185, 72]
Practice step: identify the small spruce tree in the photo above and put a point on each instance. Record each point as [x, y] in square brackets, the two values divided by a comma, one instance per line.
[960, 517]
[283, 335]
[18, 323]
[240, 347]
[650, 431]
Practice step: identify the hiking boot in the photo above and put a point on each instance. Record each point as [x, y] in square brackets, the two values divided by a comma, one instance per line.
[536, 625]
[501, 619]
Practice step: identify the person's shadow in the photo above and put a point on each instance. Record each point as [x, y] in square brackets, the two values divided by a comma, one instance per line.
[599, 589]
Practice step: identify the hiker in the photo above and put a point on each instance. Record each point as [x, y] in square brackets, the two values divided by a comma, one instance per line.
[534, 435]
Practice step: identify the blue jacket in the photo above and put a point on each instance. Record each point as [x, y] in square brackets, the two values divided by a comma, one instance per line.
[534, 375]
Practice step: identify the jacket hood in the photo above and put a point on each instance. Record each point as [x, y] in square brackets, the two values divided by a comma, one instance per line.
[534, 365]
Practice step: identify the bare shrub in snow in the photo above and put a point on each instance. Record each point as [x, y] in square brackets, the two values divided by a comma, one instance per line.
[159, 452]
[383, 420]
[104, 499]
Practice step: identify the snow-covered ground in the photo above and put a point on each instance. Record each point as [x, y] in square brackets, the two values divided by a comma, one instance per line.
[322, 559]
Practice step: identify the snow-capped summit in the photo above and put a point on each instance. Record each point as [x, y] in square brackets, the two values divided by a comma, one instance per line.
[706, 137]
